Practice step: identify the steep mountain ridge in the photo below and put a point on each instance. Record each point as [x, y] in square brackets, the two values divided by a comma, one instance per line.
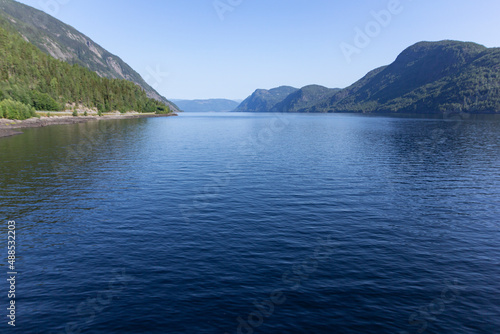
[305, 98]
[263, 100]
[30, 79]
[430, 76]
[427, 77]
[63, 42]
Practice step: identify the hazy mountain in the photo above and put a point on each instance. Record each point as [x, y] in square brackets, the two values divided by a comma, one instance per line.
[63, 42]
[206, 105]
[428, 77]
[304, 98]
[263, 100]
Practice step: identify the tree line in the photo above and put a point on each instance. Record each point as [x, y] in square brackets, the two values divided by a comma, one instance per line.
[38, 81]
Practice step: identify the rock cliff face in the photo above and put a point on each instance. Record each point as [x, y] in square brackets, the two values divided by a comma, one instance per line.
[65, 43]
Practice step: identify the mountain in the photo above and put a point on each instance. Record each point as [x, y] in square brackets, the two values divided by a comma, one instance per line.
[63, 42]
[428, 77]
[206, 105]
[263, 100]
[31, 79]
[304, 98]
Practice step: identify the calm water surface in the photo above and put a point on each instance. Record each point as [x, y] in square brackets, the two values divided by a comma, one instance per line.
[255, 223]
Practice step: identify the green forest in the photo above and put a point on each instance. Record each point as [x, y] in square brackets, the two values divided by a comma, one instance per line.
[36, 81]
[428, 77]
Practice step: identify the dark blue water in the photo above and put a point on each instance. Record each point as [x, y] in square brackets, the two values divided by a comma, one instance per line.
[255, 223]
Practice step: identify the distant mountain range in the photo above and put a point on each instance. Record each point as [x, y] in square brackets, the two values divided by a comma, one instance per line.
[428, 77]
[265, 100]
[217, 105]
[63, 42]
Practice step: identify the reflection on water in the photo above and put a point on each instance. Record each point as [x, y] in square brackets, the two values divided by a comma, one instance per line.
[196, 218]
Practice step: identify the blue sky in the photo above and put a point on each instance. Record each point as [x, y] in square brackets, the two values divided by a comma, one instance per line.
[191, 49]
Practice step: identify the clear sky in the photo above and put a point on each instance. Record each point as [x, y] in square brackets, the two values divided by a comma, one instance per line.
[190, 49]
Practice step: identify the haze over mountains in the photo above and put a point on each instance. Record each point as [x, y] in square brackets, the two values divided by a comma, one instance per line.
[428, 77]
[65, 43]
[210, 105]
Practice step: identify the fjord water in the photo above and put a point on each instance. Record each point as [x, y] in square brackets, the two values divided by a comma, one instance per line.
[256, 223]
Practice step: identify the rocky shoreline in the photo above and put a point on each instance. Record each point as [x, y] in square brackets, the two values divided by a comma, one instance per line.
[9, 127]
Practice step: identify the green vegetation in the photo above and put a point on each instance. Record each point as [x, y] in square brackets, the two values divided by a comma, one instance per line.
[43, 101]
[16, 110]
[39, 81]
[428, 77]
[65, 43]
[263, 100]
[162, 110]
[304, 98]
